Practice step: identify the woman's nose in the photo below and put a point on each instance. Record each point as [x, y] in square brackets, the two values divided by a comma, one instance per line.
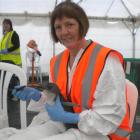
[64, 30]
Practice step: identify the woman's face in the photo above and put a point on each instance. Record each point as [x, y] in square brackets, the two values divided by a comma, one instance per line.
[67, 31]
[6, 27]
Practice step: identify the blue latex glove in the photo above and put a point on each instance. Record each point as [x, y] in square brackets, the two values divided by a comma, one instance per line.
[57, 113]
[26, 93]
[4, 51]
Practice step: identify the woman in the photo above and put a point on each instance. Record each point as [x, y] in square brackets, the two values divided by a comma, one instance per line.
[10, 51]
[87, 74]
[10, 44]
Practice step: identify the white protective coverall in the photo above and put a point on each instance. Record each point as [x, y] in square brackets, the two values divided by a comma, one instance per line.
[105, 117]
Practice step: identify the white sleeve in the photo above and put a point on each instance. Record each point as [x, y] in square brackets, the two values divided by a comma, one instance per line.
[109, 105]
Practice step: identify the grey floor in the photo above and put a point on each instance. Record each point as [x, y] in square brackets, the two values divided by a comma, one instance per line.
[14, 120]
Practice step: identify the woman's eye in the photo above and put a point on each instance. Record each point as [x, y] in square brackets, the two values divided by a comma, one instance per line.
[69, 25]
[57, 27]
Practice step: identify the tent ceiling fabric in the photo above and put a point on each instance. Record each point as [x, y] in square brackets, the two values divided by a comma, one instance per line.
[98, 8]
[31, 21]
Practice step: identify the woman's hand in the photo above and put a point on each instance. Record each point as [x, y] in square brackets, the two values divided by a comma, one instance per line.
[57, 113]
[26, 93]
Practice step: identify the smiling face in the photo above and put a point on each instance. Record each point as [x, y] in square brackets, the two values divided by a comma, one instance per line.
[67, 31]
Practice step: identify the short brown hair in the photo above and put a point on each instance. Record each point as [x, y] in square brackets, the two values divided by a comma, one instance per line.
[71, 10]
[7, 21]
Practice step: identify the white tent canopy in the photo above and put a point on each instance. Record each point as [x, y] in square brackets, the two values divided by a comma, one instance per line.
[114, 23]
[113, 8]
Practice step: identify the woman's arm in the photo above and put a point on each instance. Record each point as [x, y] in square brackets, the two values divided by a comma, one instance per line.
[15, 41]
[110, 102]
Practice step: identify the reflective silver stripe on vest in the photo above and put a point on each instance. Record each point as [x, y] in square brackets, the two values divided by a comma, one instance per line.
[89, 76]
[57, 65]
[121, 132]
[7, 42]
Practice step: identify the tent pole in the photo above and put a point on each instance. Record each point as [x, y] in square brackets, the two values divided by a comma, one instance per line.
[134, 42]
[131, 15]
[134, 32]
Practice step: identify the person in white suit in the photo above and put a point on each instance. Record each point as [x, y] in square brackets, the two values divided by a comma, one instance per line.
[88, 75]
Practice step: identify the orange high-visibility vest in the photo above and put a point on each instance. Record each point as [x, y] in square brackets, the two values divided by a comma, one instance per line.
[85, 79]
